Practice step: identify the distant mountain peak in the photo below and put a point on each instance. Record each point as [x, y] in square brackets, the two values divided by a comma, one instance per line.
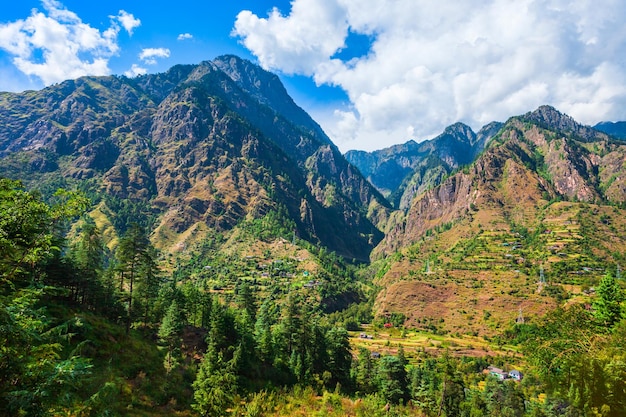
[615, 129]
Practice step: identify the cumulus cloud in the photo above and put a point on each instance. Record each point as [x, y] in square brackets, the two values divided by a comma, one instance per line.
[150, 55]
[55, 45]
[135, 70]
[127, 20]
[432, 64]
[184, 36]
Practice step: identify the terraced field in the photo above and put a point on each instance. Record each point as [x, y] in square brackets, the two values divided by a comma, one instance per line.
[414, 343]
[477, 275]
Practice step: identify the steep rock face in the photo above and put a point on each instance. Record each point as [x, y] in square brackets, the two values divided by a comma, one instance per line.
[269, 91]
[218, 143]
[79, 118]
[485, 134]
[574, 156]
[386, 168]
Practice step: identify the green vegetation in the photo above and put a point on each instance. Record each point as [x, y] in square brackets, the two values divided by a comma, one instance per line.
[88, 332]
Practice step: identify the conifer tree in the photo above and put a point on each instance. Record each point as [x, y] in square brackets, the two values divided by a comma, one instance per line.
[392, 379]
[340, 357]
[170, 333]
[263, 332]
[136, 262]
[88, 256]
[608, 304]
[365, 372]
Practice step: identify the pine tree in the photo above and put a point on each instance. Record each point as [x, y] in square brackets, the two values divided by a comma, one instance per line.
[340, 357]
[608, 304]
[392, 379]
[365, 372]
[214, 387]
[263, 332]
[170, 333]
[136, 259]
[88, 256]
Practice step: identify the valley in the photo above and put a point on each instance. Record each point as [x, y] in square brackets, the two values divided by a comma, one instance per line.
[211, 252]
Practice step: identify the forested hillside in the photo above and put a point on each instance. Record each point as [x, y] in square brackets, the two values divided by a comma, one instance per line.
[80, 337]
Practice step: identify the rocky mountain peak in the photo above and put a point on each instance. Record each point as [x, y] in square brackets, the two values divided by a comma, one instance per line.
[267, 89]
[461, 132]
[250, 77]
[548, 117]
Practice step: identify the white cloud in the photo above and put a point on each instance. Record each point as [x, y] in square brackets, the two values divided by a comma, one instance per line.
[296, 43]
[127, 20]
[184, 36]
[150, 55]
[56, 44]
[432, 64]
[135, 70]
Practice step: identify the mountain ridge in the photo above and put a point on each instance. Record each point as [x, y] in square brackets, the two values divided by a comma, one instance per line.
[187, 140]
[403, 170]
[196, 154]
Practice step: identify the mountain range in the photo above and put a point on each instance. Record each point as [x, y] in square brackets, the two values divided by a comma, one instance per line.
[200, 146]
[464, 219]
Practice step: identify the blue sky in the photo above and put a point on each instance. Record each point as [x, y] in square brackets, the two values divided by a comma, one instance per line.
[371, 72]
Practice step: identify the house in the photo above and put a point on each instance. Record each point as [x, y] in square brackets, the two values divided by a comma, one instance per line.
[497, 372]
[375, 355]
[515, 374]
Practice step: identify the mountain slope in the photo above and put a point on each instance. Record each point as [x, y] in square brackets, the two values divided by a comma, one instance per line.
[617, 129]
[215, 143]
[547, 194]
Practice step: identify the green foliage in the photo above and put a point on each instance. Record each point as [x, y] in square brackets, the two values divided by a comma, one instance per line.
[392, 379]
[36, 375]
[214, 388]
[577, 360]
[608, 303]
[136, 264]
[125, 213]
[30, 228]
[272, 225]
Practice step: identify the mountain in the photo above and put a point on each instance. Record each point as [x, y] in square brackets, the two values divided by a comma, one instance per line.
[617, 129]
[220, 150]
[545, 199]
[402, 171]
[199, 147]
